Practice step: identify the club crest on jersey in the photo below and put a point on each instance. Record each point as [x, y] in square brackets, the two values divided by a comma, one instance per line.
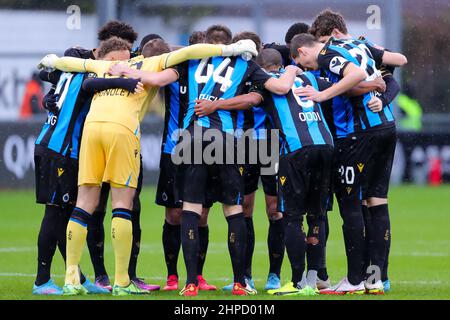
[283, 180]
[336, 64]
[360, 167]
[60, 172]
[323, 52]
[349, 190]
[241, 170]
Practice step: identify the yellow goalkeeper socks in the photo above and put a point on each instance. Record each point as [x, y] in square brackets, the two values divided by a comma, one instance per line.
[122, 237]
[76, 239]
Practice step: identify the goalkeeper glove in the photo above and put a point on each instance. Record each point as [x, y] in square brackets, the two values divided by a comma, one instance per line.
[239, 48]
[48, 62]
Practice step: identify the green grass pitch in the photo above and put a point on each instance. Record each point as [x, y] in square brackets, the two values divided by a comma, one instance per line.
[419, 264]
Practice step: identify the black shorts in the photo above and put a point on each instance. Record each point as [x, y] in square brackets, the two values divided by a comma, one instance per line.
[254, 166]
[252, 173]
[304, 181]
[216, 182]
[363, 164]
[106, 188]
[56, 179]
[169, 183]
[225, 179]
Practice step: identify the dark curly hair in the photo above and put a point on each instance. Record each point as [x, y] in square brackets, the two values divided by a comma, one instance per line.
[197, 37]
[118, 29]
[218, 34]
[295, 29]
[326, 22]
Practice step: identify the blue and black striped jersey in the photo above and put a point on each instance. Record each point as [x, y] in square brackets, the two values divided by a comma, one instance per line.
[61, 132]
[255, 119]
[300, 123]
[219, 78]
[176, 101]
[352, 114]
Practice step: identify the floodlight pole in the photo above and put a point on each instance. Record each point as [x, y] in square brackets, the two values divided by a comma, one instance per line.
[106, 10]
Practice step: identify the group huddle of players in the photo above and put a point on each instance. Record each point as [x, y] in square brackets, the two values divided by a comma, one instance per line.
[326, 95]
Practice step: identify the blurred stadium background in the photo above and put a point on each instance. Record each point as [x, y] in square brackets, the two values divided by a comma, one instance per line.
[32, 28]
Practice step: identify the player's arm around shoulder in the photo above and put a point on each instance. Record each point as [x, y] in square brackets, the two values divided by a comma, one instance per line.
[243, 102]
[283, 85]
[147, 71]
[70, 64]
[201, 51]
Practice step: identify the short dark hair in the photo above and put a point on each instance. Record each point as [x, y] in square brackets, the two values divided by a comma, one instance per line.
[197, 37]
[112, 44]
[295, 29]
[115, 28]
[249, 35]
[301, 40]
[155, 47]
[148, 38]
[326, 22]
[269, 57]
[219, 34]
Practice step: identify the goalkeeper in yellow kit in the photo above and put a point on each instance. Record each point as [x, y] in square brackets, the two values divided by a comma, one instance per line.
[110, 151]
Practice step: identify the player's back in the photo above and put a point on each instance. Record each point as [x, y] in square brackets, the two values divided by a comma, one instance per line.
[301, 123]
[62, 130]
[352, 114]
[219, 78]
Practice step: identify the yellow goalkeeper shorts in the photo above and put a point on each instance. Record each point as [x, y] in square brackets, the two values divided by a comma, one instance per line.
[109, 153]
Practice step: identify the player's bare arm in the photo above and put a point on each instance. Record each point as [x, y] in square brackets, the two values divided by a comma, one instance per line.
[353, 75]
[364, 87]
[394, 59]
[243, 102]
[283, 85]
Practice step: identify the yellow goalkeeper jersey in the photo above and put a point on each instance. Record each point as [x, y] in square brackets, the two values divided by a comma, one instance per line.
[119, 105]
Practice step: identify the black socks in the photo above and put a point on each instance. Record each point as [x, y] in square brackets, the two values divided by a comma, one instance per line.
[275, 243]
[237, 236]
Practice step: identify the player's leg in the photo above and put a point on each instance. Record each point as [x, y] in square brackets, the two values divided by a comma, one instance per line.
[122, 153]
[319, 168]
[47, 243]
[232, 189]
[248, 208]
[46, 185]
[137, 232]
[377, 194]
[168, 191]
[203, 234]
[96, 240]
[350, 156]
[122, 233]
[315, 240]
[292, 184]
[368, 232]
[193, 199]
[275, 237]
[91, 168]
[88, 197]
[171, 240]
[251, 179]
[323, 281]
